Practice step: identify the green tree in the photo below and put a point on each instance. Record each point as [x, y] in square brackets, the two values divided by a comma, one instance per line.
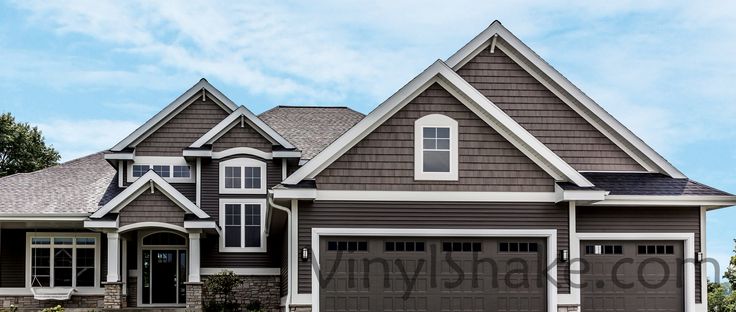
[721, 297]
[22, 148]
[730, 274]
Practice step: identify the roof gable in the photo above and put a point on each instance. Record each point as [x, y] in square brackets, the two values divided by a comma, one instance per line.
[498, 37]
[241, 115]
[440, 73]
[143, 184]
[171, 110]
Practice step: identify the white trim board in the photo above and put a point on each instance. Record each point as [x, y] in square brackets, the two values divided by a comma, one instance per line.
[232, 121]
[550, 235]
[577, 100]
[143, 184]
[710, 202]
[440, 73]
[169, 111]
[688, 252]
[243, 271]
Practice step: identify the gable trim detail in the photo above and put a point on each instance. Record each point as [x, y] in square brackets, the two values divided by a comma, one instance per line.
[230, 121]
[593, 113]
[440, 73]
[182, 101]
[150, 179]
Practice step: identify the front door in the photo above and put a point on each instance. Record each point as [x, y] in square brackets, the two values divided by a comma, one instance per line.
[164, 276]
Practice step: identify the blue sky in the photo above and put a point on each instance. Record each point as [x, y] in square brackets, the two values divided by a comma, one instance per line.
[88, 73]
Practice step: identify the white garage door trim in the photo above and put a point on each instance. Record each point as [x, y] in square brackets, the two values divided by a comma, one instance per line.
[550, 235]
[689, 252]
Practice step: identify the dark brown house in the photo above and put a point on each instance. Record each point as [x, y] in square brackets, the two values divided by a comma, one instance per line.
[487, 183]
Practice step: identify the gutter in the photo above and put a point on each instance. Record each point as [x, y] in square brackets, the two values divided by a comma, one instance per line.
[44, 217]
[290, 254]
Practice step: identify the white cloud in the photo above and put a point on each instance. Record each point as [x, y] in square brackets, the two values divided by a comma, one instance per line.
[76, 138]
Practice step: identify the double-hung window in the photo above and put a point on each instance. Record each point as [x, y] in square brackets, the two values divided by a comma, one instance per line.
[243, 222]
[63, 260]
[435, 148]
[242, 176]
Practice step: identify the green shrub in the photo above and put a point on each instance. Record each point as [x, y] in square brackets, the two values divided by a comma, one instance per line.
[254, 306]
[220, 288]
[57, 308]
[11, 308]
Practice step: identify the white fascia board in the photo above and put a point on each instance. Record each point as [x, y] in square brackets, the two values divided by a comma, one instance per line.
[579, 195]
[44, 217]
[286, 154]
[655, 200]
[439, 72]
[119, 156]
[226, 124]
[509, 197]
[305, 193]
[139, 185]
[242, 271]
[173, 106]
[200, 225]
[197, 153]
[107, 224]
[471, 49]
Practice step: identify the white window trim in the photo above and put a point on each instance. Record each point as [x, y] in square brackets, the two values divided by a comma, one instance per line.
[74, 236]
[151, 161]
[242, 162]
[441, 121]
[247, 201]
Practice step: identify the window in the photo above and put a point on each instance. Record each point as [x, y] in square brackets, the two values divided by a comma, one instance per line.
[63, 260]
[656, 249]
[404, 246]
[140, 170]
[162, 170]
[171, 169]
[461, 247]
[347, 246]
[182, 172]
[243, 222]
[505, 247]
[604, 250]
[242, 176]
[435, 148]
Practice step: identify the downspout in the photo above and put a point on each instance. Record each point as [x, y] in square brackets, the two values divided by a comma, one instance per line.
[290, 254]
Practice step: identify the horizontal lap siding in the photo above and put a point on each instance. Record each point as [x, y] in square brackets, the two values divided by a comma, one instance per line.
[543, 114]
[429, 215]
[384, 160]
[183, 129]
[643, 220]
[154, 207]
[210, 203]
[244, 136]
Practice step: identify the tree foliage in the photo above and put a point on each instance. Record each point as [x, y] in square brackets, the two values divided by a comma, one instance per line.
[730, 274]
[721, 297]
[22, 148]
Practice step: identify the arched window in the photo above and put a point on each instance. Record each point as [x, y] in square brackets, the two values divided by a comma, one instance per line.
[164, 238]
[435, 148]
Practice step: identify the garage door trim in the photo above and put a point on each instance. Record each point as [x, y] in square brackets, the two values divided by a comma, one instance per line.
[689, 251]
[549, 234]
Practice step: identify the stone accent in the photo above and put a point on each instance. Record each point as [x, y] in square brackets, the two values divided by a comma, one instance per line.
[300, 308]
[194, 296]
[114, 296]
[75, 302]
[266, 289]
[568, 308]
[132, 298]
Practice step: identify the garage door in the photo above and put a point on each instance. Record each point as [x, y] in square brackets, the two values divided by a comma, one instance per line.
[632, 276]
[432, 274]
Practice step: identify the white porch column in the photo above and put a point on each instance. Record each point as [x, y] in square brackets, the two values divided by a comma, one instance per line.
[113, 257]
[194, 257]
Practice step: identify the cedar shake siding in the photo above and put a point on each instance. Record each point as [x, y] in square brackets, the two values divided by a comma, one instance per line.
[543, 114]
[244, 136]
[384, 160]
[461, 215]
[183, 129]
[643, 220]
[154, 207]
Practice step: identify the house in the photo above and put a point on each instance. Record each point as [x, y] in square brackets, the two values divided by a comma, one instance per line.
[489, 182]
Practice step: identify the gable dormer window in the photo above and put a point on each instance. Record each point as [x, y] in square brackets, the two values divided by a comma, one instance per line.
[242, 176]
[435, 148]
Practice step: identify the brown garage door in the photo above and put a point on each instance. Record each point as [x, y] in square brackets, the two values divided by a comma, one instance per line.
[432, 274]
[632, 276]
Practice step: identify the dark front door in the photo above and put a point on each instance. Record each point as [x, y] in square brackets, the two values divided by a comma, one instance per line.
[636, 276]
[164, 276]
[375, 274]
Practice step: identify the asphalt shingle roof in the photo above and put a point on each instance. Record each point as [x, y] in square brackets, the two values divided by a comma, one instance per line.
[644, 184]
[311, 128]
[78, 186]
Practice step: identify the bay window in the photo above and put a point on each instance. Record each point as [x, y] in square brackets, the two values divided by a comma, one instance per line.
[63, 259]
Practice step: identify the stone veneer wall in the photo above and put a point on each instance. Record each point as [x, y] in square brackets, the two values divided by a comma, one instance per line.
[266, 289]
[28, 303]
